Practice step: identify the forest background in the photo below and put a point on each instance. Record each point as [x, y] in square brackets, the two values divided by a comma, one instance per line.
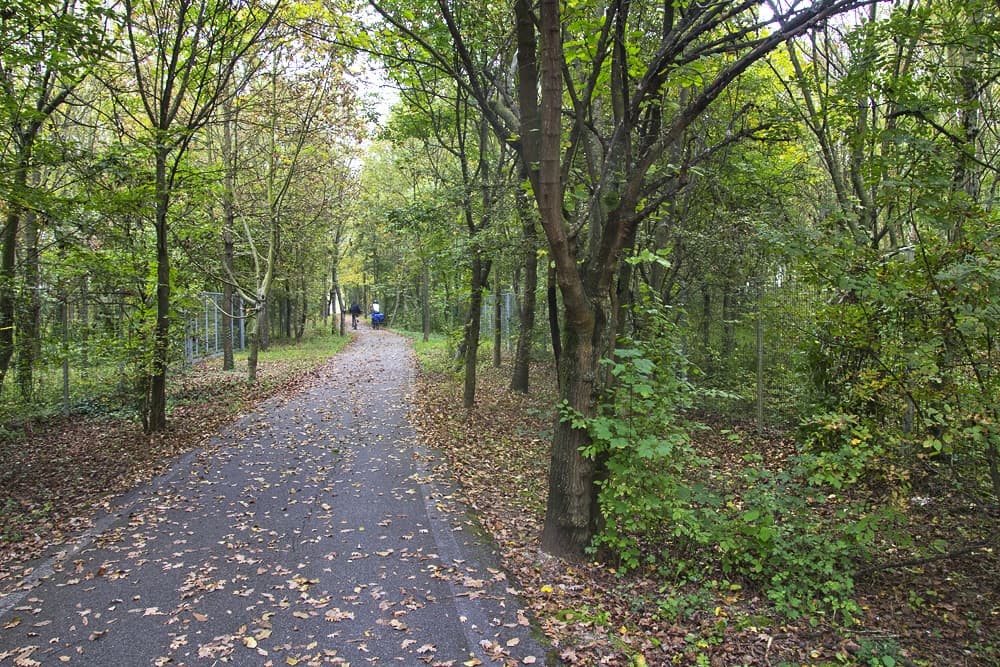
[757, 241]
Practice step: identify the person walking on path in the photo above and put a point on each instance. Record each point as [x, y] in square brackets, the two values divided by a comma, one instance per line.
[316, 530]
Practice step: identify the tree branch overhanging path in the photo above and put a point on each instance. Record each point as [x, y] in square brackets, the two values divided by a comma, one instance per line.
[606, 126]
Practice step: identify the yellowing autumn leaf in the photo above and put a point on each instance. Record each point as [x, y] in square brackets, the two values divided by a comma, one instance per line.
[335, 614]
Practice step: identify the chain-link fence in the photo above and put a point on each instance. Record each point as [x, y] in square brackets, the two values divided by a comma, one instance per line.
[90, 343]
[506, 315]
[210, 322]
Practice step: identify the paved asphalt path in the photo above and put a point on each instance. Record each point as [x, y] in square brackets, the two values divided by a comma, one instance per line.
[314, 531]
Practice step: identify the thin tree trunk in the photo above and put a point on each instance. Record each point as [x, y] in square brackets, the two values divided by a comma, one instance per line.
[64, 352]
[28, 343]
[426, 300]
[341, 310]
[84, 321]
[497, 323]
[157, 408]
[228, 244]
[253, 354]
[228, 259]
[303, 309]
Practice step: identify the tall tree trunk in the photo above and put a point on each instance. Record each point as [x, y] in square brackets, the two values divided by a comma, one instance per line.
[426, 300]
[337, 302]
[303, 309]
[8, 260]
[497, 322]
[28, 320]
[480, 274]
[288, 309]
[520, 378]
[84, 321]
[567, 528]
[228, 258]
[527, 95]
[253, 353]
[63, 314]
[228, 225]
[157, 407]
[341, 308]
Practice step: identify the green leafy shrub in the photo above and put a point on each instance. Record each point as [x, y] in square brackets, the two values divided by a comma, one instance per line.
[664, 503]
[838, 449]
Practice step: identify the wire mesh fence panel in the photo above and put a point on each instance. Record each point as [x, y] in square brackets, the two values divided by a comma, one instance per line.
[507, 317]
[209, 323]
[92, 346]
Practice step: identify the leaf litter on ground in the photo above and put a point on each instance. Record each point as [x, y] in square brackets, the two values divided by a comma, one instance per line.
[595, 616]
[56, 476]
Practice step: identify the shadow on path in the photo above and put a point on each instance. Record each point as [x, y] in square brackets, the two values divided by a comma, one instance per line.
[314, 531]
